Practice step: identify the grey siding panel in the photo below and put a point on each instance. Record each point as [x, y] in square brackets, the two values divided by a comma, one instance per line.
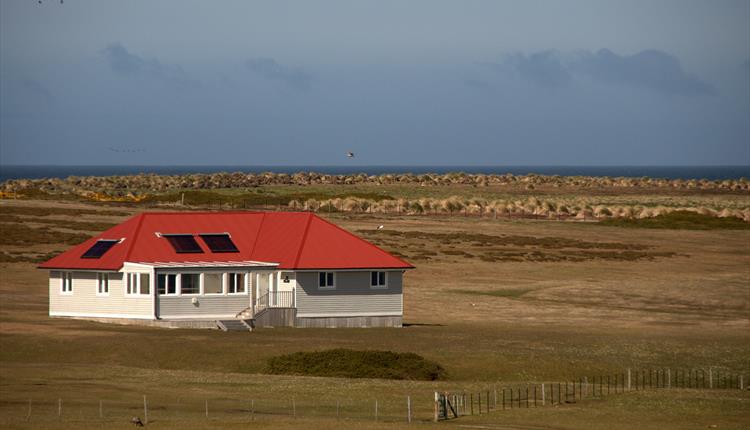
[85, 302]
[352, 295]
[207, 306]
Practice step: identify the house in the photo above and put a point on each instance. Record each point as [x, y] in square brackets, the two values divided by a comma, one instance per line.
[234, 269]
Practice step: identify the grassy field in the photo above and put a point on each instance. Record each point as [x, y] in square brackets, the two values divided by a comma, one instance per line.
[496, 303]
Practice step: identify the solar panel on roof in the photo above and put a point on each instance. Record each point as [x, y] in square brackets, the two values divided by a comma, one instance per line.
[183, 243]
[219, 242]
[99, 248]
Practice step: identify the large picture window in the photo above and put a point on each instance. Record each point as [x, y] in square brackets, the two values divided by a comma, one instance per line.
[167, 284]
[236, 283]
[212, 283]
[190, 283]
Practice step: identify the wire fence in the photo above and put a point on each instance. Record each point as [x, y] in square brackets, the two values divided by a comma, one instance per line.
[451, 405]
[421, 407]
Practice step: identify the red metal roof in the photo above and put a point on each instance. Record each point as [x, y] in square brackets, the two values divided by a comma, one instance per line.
[294, 240]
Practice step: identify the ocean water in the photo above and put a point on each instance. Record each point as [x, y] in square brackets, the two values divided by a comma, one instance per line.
[667, 172]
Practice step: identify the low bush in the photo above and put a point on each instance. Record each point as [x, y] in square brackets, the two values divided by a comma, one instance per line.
[680, 220]
[347, 363]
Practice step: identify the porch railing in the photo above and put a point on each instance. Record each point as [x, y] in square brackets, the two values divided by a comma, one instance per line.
[274, 299]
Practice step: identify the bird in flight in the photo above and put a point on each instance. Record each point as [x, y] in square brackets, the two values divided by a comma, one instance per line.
[350, 154]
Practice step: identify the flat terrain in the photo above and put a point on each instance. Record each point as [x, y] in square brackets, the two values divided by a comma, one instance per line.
[498, 303]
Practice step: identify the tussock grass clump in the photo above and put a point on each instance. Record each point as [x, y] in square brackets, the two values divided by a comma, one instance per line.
[681, 220]
[348, 363]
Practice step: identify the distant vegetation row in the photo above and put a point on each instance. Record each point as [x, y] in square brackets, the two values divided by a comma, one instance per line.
[160, 183]
[577, 208]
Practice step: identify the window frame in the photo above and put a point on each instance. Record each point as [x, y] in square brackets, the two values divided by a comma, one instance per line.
[200, 284]
[102, 279]
[203, 284]
[378, 285]
[230, 284]
[327, 286]
[134, 289]
[66, 279]
[166, 284]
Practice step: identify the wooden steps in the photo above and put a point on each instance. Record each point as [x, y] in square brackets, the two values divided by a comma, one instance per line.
[234, 325]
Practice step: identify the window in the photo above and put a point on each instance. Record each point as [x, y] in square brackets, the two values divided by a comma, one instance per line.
[137, 284]
[99, 248]
[191, 283]
[183, 243]
[131, 283]
[326, 280]
[102, 284]
[145, 283]
[212, 283]
[167, 284]
[377, 280]
[219, 242]
[236, 283]
[66, 282]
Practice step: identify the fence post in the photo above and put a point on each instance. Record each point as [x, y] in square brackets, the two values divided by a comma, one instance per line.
[628, 379]
[710, 377]
[742, 385]
[479, 402]
[669, 378]
[408, 409]
[59, 409]
[494, 395]
[435, 409]
[488, 401]
[376, 409]
[542, 393]
[535, 395]
[145, 410]
[471, 400]
[206, 408]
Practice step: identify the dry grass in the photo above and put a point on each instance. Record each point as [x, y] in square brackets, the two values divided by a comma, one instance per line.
[512, 322]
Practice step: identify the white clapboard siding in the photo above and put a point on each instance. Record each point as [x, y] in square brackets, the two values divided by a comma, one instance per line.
[352, 296]
[224, 306]
[85, 302]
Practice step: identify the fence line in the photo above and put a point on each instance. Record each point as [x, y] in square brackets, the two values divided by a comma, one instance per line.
[576, 389]
[444, 405]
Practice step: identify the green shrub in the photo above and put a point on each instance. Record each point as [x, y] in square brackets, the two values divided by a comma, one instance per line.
[347, 363]
[680, 220]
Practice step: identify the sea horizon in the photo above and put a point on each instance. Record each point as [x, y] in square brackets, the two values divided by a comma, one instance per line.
[710, 172]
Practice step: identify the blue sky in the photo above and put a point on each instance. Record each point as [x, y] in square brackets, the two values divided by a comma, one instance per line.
[415, 82]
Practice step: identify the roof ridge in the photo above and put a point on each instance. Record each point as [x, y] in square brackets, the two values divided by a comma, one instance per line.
[304, 238]
[358, 238]
[141, 216]
[257, 234]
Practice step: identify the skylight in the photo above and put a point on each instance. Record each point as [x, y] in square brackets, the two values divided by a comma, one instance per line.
[219, 242]
[99, 248]
[183, 243]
